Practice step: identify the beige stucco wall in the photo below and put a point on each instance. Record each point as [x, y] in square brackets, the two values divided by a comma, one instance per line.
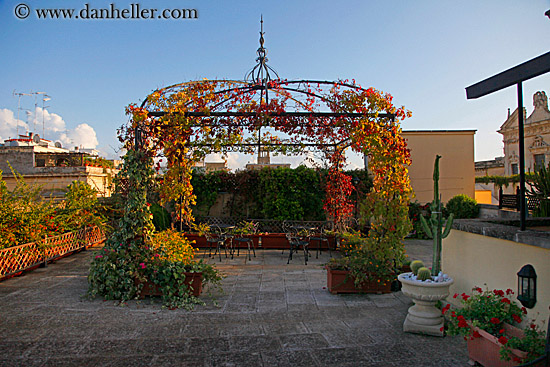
[474, 260]
[59, 178]
[456, 167]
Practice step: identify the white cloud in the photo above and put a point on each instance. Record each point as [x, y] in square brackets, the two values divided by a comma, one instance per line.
[49, 126]
[8, 125]
[83, 136]
[52, 123]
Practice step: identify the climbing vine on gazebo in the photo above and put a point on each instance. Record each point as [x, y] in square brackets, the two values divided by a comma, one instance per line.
[186, 121]
[179, 125]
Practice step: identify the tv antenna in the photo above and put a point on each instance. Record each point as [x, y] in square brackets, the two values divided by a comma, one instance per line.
[45, 98]
[19, 95]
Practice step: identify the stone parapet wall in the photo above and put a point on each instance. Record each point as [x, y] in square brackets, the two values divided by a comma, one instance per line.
[485, 254]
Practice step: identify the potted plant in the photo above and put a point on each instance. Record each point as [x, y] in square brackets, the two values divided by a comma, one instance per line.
[531, 346]
[362, 268]
[165, 268]
[486, 320]
[427, 287]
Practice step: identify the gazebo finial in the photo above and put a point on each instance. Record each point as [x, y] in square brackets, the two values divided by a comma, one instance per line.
[260, 72]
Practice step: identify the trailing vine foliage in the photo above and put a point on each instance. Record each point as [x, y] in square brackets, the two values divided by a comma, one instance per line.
[505, 181]
[112, 274]
[134, 254]
[184, 139]
[339, 187]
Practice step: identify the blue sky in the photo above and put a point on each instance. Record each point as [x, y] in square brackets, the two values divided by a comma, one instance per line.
[422, 52]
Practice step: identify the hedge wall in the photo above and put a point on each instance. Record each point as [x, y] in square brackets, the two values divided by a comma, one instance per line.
[280, 193]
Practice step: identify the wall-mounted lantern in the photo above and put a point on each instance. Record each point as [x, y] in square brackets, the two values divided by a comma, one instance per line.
[527, 286]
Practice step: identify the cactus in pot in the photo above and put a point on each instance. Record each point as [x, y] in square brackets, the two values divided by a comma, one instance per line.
[415, 265]
[433, 227]
[423, 274]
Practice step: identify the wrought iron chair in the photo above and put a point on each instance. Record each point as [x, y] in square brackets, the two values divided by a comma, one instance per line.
[295, 241]
[217, 237]
[320, 237]
[245, 238]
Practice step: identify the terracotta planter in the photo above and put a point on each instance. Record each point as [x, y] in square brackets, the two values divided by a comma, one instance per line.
[193, 280]
[200, 241]
[485, 349]
[339, 281]
[274, 241]
[423, 317]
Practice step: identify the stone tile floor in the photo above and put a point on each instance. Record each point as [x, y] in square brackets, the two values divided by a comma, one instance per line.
[271, 314]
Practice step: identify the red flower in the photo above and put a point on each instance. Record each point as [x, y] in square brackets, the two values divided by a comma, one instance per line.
[524, 310]
[476, 334]
[495, 320]
[532, 326]
[509, 292]
[446, 308]
[462, 322]
[465, 297]
[498, 292]
[505, 300]
[455, 295]
[479, 290]
[516, 318]
[501, 331]
[503, 340]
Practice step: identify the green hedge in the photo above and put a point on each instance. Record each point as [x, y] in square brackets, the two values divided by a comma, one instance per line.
[279, 193]
[463, 206]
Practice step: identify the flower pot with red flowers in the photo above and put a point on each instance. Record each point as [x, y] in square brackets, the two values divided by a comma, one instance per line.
[486, 320]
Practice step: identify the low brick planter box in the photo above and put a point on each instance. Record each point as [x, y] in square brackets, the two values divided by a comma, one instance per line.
[340, 281]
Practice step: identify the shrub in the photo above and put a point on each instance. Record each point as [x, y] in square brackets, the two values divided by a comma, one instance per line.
[173, 246]
[463, 206]
[28, 217]
[540, 189]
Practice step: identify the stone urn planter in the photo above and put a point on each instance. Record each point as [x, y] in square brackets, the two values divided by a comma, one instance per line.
[423, 317]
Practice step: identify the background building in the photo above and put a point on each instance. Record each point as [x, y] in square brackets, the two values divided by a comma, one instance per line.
[537, 149]
[44, 163]
[264, 160]
[456, 167]
[537, 137]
